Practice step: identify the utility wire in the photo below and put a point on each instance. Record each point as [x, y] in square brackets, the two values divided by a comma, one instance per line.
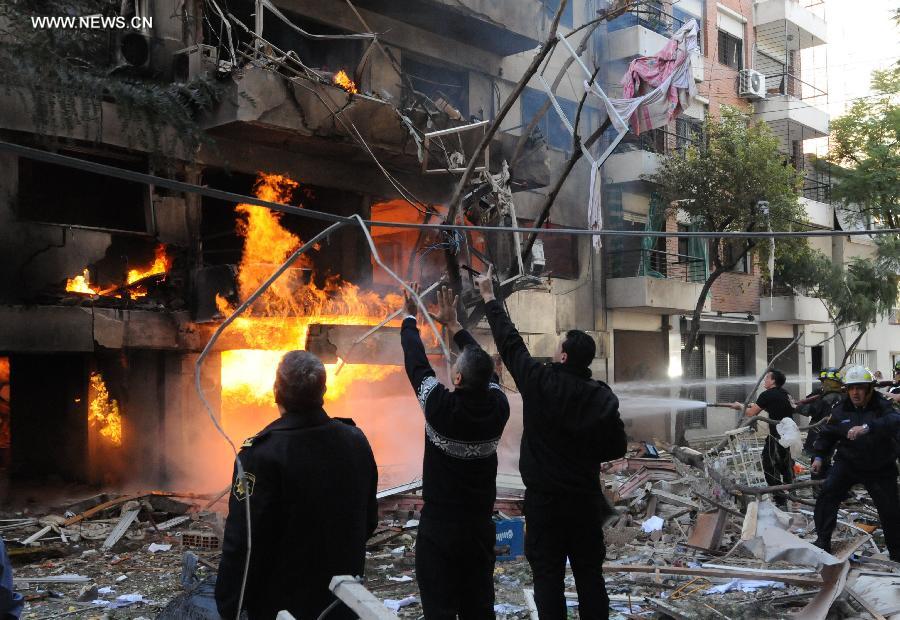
[181, 186]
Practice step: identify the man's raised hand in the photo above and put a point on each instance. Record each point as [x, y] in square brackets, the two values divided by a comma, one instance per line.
[485, 284]
[409, 301]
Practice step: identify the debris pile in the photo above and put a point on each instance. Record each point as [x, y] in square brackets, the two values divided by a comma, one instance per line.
[687, 539]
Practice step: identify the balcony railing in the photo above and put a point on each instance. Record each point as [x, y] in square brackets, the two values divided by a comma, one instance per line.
[657, 264]
[651, 15]
[660, 141]
[780, 84]
[780, 289]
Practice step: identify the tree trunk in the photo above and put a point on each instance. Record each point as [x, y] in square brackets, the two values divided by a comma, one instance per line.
[852, 348]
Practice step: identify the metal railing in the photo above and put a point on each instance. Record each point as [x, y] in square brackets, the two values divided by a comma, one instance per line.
[780, 289]
[659, 141]
[656, 264]
[651, 15]
[779, 84]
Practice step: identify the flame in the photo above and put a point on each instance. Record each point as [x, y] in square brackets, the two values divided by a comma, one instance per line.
[161, 264]
[81, 284]
[279, 320]
[103, 411]
[343, 80]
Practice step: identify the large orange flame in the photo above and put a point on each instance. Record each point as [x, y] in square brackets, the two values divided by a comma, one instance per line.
[279, 320]
[343, 80]
[81, 284]
[103, 411]
[161, 264]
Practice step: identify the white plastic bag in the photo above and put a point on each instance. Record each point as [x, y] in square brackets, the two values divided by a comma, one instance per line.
[790, 436]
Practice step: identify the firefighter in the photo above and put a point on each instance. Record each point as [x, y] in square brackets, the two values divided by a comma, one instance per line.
[310, 481]
[571, 425]
[861, 427]
[829, 394]
[455, 544]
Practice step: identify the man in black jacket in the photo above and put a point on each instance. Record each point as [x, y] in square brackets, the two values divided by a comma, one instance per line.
[862, 427]
[311, 482]
[829, 394]
[778, 466]
[571, 425]
[455, 543]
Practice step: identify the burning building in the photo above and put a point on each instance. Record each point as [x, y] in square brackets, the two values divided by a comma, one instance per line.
[110, 288]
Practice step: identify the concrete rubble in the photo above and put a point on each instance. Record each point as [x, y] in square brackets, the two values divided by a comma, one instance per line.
[679, 545]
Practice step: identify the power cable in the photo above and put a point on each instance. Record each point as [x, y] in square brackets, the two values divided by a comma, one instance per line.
[181, 186]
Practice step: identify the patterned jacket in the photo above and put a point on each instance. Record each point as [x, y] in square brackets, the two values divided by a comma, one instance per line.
[462, 432]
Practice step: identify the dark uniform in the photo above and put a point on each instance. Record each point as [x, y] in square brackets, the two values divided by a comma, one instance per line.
[311, 481]
[817, 411]
[455, 543]
[867, 460]
[571, 426]
[776, 459]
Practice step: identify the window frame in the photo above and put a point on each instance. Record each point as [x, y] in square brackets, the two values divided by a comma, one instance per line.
[737, 46]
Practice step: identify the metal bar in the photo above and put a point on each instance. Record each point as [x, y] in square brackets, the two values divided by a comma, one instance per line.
[392, 316]
[564, 119]
[453, 130]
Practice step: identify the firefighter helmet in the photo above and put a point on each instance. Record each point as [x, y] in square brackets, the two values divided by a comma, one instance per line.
[858, 375]
[897, 366]
[831, 373]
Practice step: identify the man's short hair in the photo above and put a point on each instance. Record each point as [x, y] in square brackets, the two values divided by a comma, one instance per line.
[778, 377]
[300, 381]
[579, 348]
[476, 367]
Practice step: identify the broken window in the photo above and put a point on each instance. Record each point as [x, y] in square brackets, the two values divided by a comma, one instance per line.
[560, 252]
[550, 125]
[62, 195]
[436, 81]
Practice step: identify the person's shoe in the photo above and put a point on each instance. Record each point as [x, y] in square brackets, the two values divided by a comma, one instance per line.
[824, 545]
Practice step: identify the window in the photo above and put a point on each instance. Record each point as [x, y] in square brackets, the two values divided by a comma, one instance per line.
[683, 243]
[688, 132]
[438, 82]
[731, 51]
[560, 253]
[729, 251]
[91, 200]
[566, 19]
[550, 125]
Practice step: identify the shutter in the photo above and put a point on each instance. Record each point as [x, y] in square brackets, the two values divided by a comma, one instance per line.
[693, 374]
[731, 362]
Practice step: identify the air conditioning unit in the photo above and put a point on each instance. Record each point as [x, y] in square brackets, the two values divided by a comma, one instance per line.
[752, 84]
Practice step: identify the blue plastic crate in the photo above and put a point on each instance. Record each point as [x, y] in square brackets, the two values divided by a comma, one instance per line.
[510, 541]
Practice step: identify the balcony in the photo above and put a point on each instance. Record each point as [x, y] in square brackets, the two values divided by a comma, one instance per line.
[641, 155]
[502, 28]
[790, 107]
[644, 31]
[790, 306]
[789, 25]
[654, 281]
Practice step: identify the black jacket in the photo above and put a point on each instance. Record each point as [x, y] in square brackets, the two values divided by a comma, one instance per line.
[817, 410]
[462, 431]
[868, 452]
[312, 484]
[571, 423]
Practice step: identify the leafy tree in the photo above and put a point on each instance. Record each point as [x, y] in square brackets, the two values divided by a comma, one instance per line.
[721, 185]
[864, 158]
[62, 75]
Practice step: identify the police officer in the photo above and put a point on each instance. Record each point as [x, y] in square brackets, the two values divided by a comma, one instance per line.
[311, 482]
[456, 537]
[828, 395]
[571, 425]
[861, 427]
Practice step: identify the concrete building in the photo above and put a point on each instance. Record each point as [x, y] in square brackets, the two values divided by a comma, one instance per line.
[438, 65]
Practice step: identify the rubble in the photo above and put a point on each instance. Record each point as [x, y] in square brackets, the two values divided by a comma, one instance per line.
[682, 544]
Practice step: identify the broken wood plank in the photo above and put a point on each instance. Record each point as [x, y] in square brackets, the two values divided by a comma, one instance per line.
[676, 499]
[67, 578]
[355, 596]
[120, 529]
[834, 578]
[707, 532]
[37, 535]
[865, 604]
[668, 609]
[788, 578]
